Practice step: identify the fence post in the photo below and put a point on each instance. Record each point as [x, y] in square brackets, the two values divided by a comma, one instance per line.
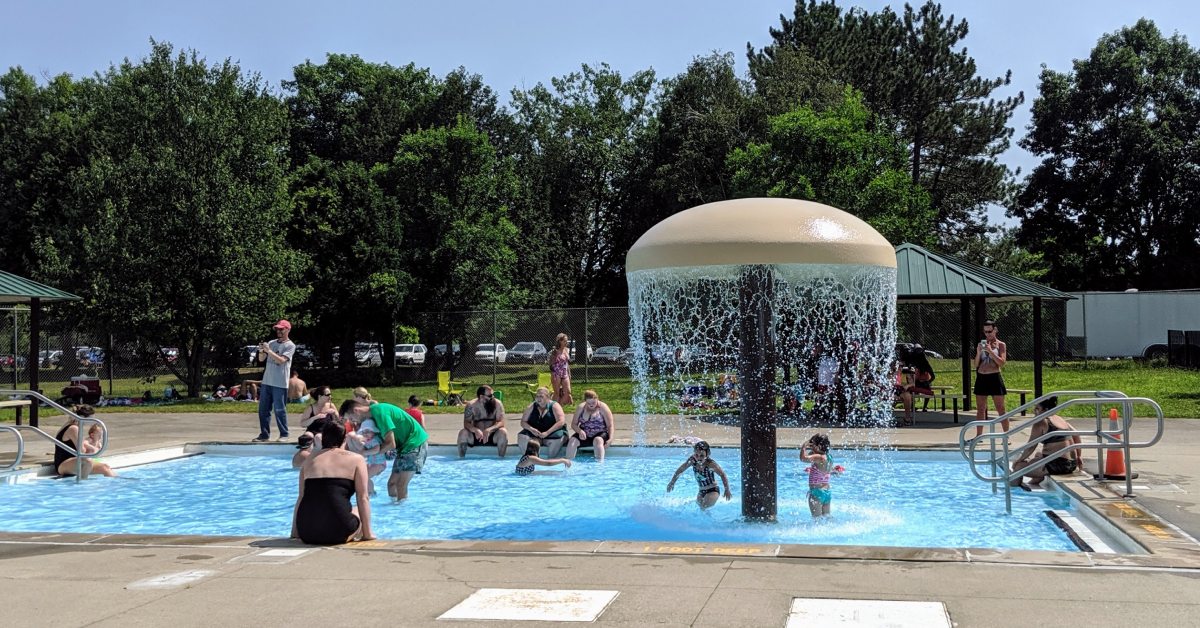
[495, 342]
[16, 352]
[108, 362]
[586, 362]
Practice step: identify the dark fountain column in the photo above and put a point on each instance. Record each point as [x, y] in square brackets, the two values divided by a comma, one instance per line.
[756, 367]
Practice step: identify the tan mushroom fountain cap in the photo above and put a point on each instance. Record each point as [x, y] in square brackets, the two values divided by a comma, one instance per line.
[760, 231]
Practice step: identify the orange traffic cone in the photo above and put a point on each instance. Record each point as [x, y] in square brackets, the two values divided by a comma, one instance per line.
[1114, 459]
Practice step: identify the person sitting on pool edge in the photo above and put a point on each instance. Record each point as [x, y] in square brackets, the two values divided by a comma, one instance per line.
[529, 461]
[323, 514]
[1065, 465]
[483, 423]
[65, 462]
[593, 425]
[705, 469]
[545, 421]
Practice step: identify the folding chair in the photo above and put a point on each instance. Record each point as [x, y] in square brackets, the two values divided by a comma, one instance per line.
[446, 394]
[543, 381]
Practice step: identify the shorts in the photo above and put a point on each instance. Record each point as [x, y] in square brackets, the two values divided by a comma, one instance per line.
[555, 435]
[820, 495]
[491, 440]
[588, 441]
[411, 461]
[989, 385]
[1060, 466]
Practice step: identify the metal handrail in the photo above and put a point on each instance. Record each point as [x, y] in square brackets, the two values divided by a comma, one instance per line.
[83, 423]
[1105, 438]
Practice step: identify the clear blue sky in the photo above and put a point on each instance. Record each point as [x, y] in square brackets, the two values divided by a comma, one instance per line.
[520, 43]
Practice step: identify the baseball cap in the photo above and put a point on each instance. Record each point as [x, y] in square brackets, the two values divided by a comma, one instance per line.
[284, 324]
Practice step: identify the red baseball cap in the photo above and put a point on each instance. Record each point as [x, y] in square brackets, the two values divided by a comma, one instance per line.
[283, 324]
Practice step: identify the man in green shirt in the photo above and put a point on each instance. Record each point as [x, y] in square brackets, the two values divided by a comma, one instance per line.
[401, 434]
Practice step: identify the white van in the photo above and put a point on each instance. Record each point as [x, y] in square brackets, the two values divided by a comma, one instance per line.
[410, 354]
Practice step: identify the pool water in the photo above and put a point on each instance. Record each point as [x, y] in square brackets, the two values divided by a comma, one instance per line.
[900, 499]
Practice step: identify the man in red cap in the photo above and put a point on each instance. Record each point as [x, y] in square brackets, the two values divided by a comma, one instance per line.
[273, 392]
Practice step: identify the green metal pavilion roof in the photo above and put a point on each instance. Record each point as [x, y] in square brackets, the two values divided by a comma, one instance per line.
[925, 276]
[15, 289]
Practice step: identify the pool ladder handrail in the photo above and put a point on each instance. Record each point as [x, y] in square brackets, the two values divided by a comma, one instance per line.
[84, 427]
[1105, 438]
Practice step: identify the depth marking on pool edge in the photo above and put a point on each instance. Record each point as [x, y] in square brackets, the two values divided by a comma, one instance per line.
[171, 580]
[561, 605]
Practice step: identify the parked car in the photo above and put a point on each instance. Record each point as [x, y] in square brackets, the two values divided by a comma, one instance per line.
[250, 354]
[303, 358]
[8, 361]
[89, 356]
[367, 354]
[607, 354]
[627, 356]
[50, 358]
[527, 351]
[905, 348]
[590, 352]
[441, 349]
[168, 354]
[410, 354]
[489, 352]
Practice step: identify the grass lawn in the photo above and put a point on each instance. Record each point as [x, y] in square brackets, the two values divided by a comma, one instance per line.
[1176, 390]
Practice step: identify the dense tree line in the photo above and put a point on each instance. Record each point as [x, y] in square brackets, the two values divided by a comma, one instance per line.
[191, 202]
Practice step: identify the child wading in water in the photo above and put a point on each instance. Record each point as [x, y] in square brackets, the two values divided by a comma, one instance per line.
[705, 469]
[530, 460]
[816, 451]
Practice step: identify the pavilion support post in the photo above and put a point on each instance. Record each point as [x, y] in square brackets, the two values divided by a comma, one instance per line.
[35, 333]
[756, 366]
[968, 347]
[1037, 346]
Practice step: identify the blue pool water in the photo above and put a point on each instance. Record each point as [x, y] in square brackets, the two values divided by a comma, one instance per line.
[890, 499]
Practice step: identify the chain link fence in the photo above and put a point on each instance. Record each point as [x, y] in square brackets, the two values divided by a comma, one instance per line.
[504, 348]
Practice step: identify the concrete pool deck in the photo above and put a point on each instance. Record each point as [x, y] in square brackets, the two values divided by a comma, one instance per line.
[124, 580]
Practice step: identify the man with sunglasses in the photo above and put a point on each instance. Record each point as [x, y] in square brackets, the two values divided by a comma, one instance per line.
[272, 394]
[483, 423]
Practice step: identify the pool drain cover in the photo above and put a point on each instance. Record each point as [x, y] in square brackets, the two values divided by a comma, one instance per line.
[876, 613]
[532, 605]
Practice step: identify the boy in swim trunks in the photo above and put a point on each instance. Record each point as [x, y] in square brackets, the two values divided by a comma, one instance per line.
[705, 470]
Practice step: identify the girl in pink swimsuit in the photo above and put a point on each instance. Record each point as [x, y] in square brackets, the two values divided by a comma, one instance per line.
[560, 371]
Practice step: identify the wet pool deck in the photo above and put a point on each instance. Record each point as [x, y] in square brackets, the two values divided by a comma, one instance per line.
[124, 580]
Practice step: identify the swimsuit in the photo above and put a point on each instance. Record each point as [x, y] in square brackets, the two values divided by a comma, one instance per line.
[593, 425]
[524, 470]
[542, 422]
[706, 480]
[818, 482]
[559, 365]
[61, 455]
[324, 516]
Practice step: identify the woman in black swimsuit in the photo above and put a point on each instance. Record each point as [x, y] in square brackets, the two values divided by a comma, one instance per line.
[65, 463]
[1066, 464]
[323, 513]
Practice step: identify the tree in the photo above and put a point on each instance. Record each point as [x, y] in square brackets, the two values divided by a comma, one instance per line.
[834, 157]
[185, 186]
[910, 73]
[576, 146]
[1113, 203]
[450, 186]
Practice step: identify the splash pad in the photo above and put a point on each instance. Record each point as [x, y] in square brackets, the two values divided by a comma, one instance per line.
[752, 291]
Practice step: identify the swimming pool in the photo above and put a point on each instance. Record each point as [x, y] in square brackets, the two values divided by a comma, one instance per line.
[898, 499]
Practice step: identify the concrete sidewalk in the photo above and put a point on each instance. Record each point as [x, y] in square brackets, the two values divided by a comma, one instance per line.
[114, 580]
